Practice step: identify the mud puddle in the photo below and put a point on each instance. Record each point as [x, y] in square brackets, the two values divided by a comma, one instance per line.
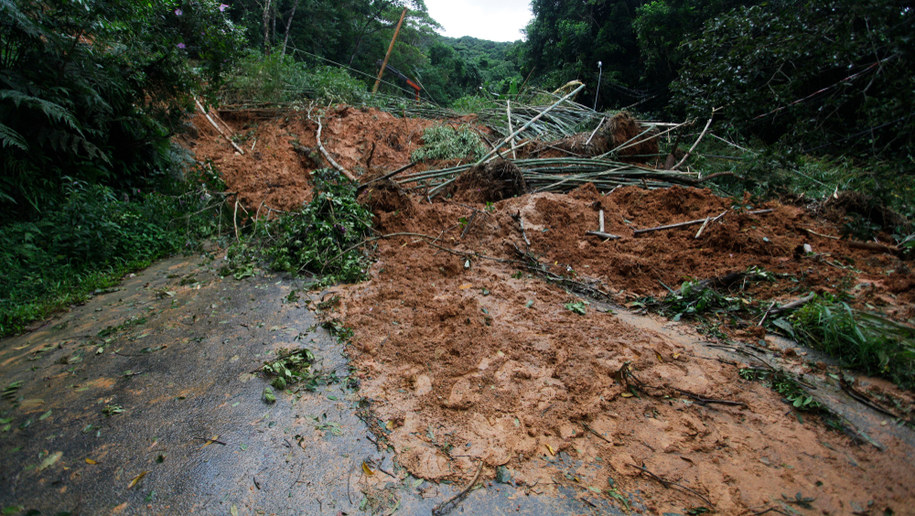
[144, 400]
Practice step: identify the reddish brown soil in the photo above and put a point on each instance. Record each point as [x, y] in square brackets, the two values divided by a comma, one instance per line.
[280, 152]
[465, 358]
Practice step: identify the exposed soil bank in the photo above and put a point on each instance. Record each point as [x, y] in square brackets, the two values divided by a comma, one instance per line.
[467, 359]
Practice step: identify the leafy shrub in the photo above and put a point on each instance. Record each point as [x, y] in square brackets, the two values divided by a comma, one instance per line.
[324, 237]
[332, 84]
[447, 142]
[278, 78]
[268, 78]
[859, 340]
[89, 241]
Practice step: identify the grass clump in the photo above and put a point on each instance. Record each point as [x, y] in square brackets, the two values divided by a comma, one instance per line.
[441, 142]
[324, 237]
[859, 340]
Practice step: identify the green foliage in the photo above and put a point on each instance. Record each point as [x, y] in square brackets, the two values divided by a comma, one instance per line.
[495, 64]
[817, 75]
[859, 340]
[272, 78]
[565, 40]
[442, 142]
[785, 385]
[449, 74]
[332, 84]
[660, 27]
[694, 299]
[474, 104]
[291, 368]
[278, 78]
[91, 90]
[89, 241]
[325, 236]
[579, 307]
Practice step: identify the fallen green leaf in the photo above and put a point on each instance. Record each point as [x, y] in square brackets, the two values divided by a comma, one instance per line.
[269, 397]
[49, 461]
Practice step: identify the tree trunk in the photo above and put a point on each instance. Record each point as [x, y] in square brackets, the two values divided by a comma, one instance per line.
[288, 25]
[267, 27]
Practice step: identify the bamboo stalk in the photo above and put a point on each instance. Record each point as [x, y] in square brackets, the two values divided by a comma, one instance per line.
[525, 126]
[699, 139]
[508, 109]
[692, 222]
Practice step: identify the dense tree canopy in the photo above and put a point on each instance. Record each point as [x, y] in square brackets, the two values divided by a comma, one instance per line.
[91, 89]
[827, 75]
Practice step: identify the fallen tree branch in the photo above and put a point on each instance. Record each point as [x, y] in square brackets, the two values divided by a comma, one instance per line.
[668, 483]
[693, 222]
[704, 401]
[213, 123]
[449, 504]
[329, 159]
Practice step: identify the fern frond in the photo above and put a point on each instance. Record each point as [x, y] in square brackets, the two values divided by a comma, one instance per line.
[53, 111]
[10, 138]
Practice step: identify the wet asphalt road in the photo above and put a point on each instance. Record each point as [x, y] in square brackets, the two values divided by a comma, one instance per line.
[147, 400]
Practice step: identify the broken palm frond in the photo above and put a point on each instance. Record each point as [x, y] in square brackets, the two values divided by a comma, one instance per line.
[564, 174]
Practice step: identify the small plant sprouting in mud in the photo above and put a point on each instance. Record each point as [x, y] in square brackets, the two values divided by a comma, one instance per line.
[579, 307]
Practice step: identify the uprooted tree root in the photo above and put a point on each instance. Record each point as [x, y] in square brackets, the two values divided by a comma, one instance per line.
[632, 141]
[490, 182]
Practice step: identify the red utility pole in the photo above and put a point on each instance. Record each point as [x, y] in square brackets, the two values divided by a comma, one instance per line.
[388, 54]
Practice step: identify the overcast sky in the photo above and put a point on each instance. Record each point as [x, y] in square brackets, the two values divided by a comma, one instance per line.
[495, 20]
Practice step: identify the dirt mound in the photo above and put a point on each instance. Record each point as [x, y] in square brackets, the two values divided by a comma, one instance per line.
[468, 359]
[491, 182]
[280, 152]
[386, 199]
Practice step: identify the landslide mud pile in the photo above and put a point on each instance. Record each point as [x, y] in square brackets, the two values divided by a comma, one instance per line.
[467, 357]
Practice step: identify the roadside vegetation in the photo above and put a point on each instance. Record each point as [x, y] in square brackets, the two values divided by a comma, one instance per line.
[806, 101]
